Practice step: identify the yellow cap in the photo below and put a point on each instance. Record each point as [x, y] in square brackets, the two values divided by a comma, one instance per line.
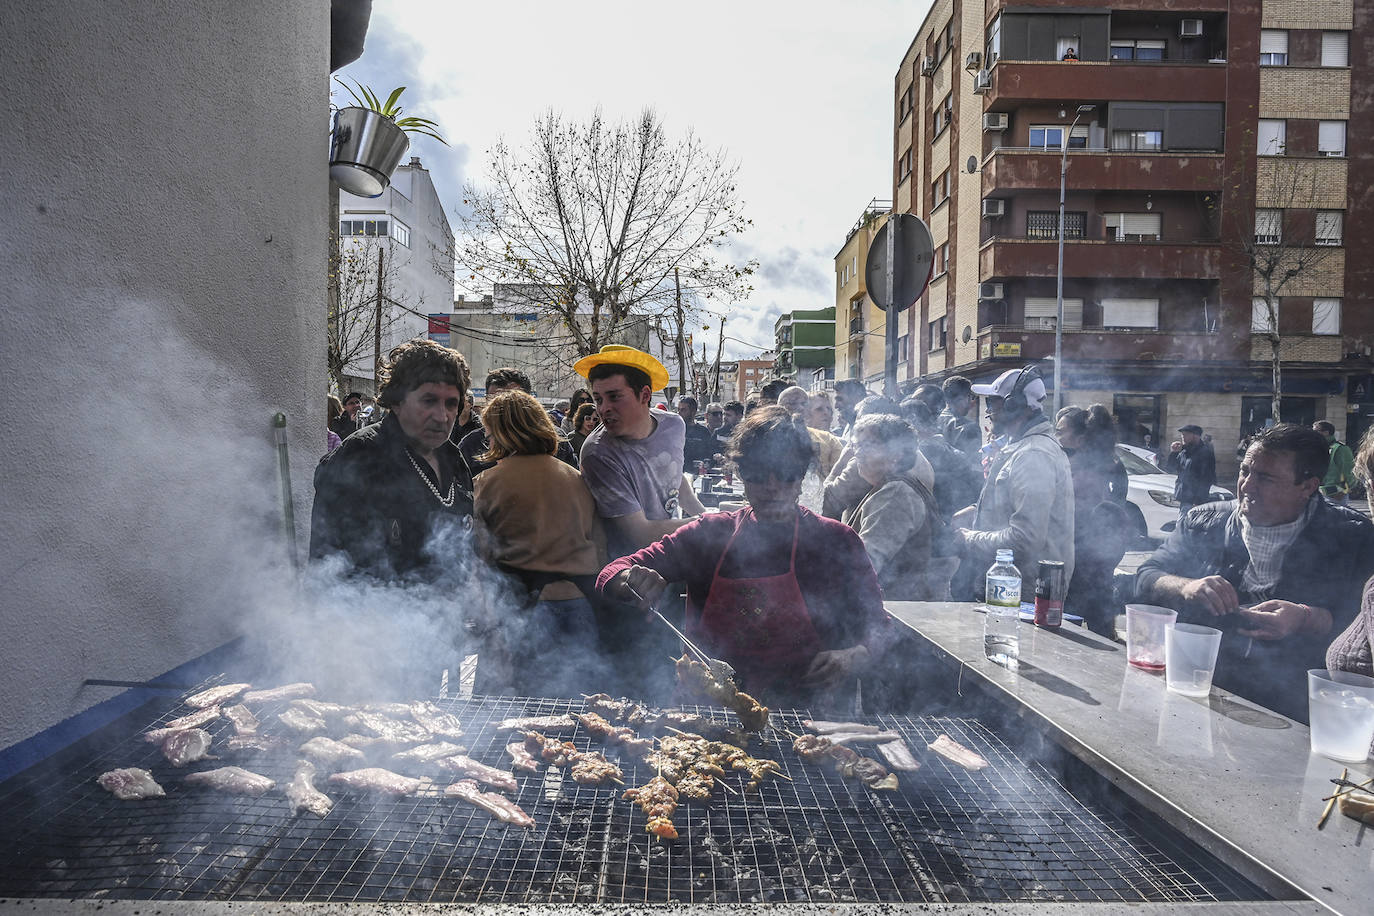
[621, 355]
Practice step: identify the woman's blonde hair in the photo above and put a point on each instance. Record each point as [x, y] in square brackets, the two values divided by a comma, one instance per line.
[516, 424]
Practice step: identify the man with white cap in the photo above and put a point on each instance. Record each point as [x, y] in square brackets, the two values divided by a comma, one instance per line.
[1027, 502]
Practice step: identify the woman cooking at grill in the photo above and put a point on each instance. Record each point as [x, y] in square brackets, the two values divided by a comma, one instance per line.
[787, 597]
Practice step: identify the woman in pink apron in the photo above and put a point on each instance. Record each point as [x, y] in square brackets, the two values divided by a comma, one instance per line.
[787, 597]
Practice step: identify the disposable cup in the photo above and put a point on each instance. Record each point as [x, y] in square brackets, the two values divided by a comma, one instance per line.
[1145, 626]
[1190, 658]
[1340, 708]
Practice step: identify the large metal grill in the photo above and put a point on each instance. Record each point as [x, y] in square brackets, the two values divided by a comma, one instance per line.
[1010, 832]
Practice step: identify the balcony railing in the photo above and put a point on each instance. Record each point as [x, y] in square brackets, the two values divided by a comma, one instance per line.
[856, 326]
[1124, 344]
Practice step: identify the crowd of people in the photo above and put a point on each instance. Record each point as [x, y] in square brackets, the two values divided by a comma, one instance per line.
[587, 515]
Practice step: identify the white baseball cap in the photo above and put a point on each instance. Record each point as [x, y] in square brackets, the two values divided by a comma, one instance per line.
[1035, 388]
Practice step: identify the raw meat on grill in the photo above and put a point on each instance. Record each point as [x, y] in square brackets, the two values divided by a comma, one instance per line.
[824, 727]
[898, 756]
[254, 744]
[376, 779]
[697, 678]
[321, 709]
[279, 694]
[428, 753]
[194, 720]
[875, 737]
[391, 710]
[521, 758]
[436, 721]
[330, 753]
[232, 780]
[303, 795]
[217, 696]
[658, 799]
[371, 744]
[956, 753]
[393, 730]
[563, 723]
[301, 723]
[500, 807]
[186, 746]
[130, 784]
[471, 769]
[243, 720]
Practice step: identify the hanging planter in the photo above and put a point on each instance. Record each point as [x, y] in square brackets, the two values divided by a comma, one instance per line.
[369, 139]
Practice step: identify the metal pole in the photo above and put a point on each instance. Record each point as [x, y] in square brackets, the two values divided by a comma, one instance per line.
[890, 344]
[1059, 278]
[377, 329]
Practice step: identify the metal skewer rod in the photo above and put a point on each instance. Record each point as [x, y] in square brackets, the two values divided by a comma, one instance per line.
[691, 646]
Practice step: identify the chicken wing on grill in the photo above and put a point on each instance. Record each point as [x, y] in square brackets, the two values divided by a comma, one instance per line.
[330, 753]
[130, 784]
[376, 779]
[232, 780]
[279, 694]
[697, 678]
[500, 807]
[216, 696]
[303, 795]
[186, 746]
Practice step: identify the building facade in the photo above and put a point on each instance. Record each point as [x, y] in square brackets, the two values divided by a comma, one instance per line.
[1198, 143]
[859, 328]
[750, 374]
[805, 343]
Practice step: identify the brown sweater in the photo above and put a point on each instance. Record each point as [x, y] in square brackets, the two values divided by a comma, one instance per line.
[536, 514]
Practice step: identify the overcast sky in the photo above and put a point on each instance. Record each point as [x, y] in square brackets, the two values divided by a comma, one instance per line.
[800, 93]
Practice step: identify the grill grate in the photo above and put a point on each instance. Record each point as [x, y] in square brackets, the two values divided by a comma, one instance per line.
[1009, 832]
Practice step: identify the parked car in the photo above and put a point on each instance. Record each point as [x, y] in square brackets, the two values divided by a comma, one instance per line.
[1151, 491]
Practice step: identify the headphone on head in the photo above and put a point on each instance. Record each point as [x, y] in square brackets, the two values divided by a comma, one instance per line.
[1016, 398]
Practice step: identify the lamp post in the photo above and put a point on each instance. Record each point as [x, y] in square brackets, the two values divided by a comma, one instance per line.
[1059, 272]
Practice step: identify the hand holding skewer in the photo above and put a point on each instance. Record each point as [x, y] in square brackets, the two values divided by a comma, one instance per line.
[640, 585]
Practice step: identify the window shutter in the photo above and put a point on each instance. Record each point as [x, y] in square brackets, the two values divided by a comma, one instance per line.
[1335, 49]
[1044, 307]
[1140, 224]
[1329, 227]
[1130, 313]
[1259, 317]
[1273, 41]
[1326, 316]
[1331, 136]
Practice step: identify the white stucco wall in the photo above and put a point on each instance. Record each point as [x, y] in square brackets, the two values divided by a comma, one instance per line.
[163, 267]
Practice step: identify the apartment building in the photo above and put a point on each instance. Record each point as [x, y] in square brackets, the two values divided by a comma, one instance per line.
[1192, 138]
[859, 323]
[751, 374]
[805, 348]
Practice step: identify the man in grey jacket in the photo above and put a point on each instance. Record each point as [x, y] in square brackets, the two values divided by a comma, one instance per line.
[1027, 501]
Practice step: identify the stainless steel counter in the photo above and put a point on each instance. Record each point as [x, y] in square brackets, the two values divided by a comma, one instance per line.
[1237, 778]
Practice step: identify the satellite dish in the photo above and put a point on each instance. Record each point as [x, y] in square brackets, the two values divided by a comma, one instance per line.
[972, 164]
[968, 332]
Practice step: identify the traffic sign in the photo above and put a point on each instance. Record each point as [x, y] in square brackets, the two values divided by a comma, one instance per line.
[911, 268]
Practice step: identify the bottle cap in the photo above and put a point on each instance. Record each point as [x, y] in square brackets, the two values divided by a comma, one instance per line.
[1004, 554]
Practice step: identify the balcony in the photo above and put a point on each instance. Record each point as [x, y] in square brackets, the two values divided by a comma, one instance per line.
[1013, 342]
[856, 327]
[1020, 169]
[1018, 257]
[1016, 82]
[1299, 348]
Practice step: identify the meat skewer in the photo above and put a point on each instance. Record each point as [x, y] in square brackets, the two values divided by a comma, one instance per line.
[130, 784]
[216, 696]
[845, 761]
[330, 753]
[303, 795]
[593, 769]
[698, 679]
[278, 694]
[232, 780]
[614, 734]
[500, 807]
[637, 716]
[244, 722]
[956, 753]
[185, 746]
[658, 799]
[376, 779]
[471, 769]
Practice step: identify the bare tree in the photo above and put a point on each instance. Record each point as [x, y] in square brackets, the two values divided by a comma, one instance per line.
[361, 280]
[1284, 247]
[591, 221]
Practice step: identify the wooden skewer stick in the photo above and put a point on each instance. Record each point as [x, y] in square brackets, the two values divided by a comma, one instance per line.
[1330, 804]
[726, 788]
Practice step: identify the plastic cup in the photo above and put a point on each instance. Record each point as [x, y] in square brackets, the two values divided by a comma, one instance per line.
[1145, 626]
[1190, 658]
[1340, 708]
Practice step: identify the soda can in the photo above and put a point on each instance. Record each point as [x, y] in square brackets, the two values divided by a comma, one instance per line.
[1050, 587]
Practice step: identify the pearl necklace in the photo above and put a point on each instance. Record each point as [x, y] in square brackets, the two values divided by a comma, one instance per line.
[446, 502]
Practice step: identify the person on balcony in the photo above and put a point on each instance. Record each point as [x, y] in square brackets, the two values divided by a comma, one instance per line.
[1070, 54]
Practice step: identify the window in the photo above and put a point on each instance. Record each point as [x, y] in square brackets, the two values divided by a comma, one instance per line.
[1335, 49]
[1044, 224]
[1043, 312]
[904, 166]
[1138, 418]
[1067, 47]
[1046, 136]
[1268, 227]
[944, 115]
[941, 259]
[949, 35]
[1326, 316]
[1329, 227]
[1132, 227]
[1138, 140]
[937, 333]
[1259, 316]
[1138, 49]
[1331, 138]
[994, 43]
[364, 227]
[904, 104]
[1273, 48]
[1130, 313]
[1272, 137]
[939, 190]
[400, 232]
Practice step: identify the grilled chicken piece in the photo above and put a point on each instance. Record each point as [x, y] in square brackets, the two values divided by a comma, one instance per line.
[278, 694]
[217, 696]
[521, 758]
[194, 720]
[376, 779]
[301, 723]
[381, 726]
[658, 798]
[233, 780]
[545, 724]
[428, 753]
[244, 722]
[436, 721]
[500, 807]
[254, 744]
[697, 678]
[898, 756]
[130, 784]
[303, 795]
[321, 709]
[823, 727]
[186, 746]
[593, 769]
[471, 769]
[955, 752]
[330, 753]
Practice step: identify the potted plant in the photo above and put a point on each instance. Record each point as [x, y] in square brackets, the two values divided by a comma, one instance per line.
[370, 138]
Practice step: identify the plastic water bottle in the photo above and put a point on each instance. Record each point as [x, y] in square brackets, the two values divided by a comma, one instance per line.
[1001, 629]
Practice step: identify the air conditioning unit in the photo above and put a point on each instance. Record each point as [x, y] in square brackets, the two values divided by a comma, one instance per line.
[928, 65]
[1190, 28]
[982, 81]
[994, 206]
[990, 290]
[994, 120]
[974, 61]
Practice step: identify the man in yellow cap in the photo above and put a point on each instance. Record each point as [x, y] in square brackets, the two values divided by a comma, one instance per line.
[632, 462]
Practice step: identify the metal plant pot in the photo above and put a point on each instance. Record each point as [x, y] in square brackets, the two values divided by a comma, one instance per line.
[364, 150]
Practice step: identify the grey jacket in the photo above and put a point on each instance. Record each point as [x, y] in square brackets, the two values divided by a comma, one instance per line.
[1026, 505]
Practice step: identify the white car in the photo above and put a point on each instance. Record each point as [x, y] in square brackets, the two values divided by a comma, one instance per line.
[1151, 490]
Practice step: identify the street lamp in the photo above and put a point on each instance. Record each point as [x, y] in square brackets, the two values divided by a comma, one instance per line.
[1059, 272]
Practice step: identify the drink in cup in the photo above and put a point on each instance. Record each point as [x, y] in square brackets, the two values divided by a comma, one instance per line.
[1340, 708]
[1190, 654]
[1145, 626]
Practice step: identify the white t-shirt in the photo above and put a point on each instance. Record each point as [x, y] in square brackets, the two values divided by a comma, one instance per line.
[636, 475]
